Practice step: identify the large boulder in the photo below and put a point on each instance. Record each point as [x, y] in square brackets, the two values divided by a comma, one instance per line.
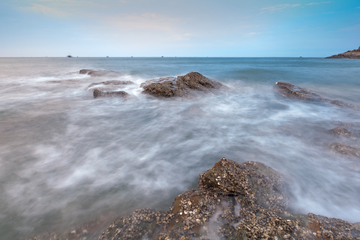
[233, 201]
[182, 86]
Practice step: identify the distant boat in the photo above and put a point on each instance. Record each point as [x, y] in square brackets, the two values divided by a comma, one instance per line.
[300, 56]
[107, 56]
[69, 56]
[162, 56]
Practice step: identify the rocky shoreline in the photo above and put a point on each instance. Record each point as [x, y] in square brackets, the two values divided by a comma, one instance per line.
[232, 201]
[353, 54]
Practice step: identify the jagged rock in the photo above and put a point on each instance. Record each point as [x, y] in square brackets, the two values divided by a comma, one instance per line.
[100, 92]
[181, 86]
[354, 54]
[345, 149]
[233, 201]
[289, 90]
[112, 83]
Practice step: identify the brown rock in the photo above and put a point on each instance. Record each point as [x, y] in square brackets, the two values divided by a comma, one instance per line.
[234, 201]
[100, 92]
[289, 90]
[97, 73]
[182, 86]
[354, 54]
[112, 83]
[345, 149]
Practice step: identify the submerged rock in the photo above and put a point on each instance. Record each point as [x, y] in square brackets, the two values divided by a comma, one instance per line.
[97, 73]
[181, 86]
[112, 83]
[289, 90]
[354, 54]
[343, 132]
[99, 92]
[233, 201]
[345, 149]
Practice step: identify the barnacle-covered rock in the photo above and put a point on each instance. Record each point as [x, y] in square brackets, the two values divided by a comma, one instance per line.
[234, 201]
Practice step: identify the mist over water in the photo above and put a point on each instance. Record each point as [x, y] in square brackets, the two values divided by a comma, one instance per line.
[67, 158]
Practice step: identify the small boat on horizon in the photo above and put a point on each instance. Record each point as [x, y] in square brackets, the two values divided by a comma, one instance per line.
[69, 56]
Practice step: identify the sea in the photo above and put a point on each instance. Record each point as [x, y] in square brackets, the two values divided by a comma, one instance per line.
[67, 159]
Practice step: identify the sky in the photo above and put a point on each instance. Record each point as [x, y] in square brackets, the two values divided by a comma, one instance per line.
[182, 28]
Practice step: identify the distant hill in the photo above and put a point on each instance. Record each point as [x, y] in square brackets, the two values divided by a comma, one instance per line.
[355, 54]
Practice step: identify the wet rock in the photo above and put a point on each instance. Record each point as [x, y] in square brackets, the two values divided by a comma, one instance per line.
[233, 201]
[291, 91]
[97, 73]
[254, 181]
[90, 230]
[343, 132]
[100, 92]
[182, 86]
[346, 124]
[354, 54]
[112, 83]
[345, 149]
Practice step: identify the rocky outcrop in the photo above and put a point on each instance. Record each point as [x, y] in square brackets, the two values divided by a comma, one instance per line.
[354, 54]
[186, 86]
[99, 92]
[232, 201]
[291, 91]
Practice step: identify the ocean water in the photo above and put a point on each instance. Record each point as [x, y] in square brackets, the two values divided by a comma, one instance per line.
[67, 158]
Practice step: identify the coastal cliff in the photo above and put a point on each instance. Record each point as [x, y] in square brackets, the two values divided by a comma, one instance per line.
[354, 54]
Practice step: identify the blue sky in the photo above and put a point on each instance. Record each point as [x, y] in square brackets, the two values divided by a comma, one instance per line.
[194, 28]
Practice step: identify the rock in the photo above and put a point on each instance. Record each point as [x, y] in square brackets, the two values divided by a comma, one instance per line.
[354, 54]
[182, 86]
[100, 92]
[291, 91]
[97, 73]
[343, 132]
[345, 149]
[233, 201]
[112, 83]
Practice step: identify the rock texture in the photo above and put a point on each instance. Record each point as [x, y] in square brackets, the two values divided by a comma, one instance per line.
[99, 92]
[182, 86]
[289, 90]
[354, 54]
[97, 73]
[345, 149]
[112, 83]
[232, 201]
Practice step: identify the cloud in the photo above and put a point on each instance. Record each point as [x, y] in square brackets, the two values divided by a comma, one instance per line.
[278, 7]
[254, 33]
[146, 21]
[317, 3]
[42, 9]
